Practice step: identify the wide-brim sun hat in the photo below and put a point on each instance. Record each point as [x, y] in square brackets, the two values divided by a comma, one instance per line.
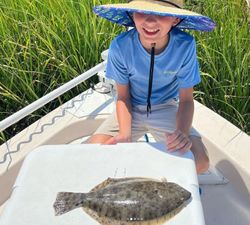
[122, 13]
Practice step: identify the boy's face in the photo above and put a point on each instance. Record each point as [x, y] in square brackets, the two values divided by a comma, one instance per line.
[153, 28]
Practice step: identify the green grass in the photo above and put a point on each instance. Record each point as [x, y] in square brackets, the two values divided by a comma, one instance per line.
[224, 57]
[45, 43]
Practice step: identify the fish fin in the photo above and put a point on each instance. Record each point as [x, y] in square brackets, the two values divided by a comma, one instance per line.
[105, 183]
[111, 181]
[67, 201]
[103, 220]
[164, 179]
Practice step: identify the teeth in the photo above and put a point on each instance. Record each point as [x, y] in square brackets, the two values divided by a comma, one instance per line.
[151, 30]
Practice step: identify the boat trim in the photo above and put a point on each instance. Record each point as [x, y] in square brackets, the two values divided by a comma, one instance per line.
[4, 124]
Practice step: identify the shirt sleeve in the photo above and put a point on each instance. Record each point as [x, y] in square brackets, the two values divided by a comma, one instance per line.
[189, 75]
[116, 68]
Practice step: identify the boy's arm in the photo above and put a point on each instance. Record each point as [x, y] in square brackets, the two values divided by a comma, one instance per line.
[185, 112]
[123, 110]
[179, 139]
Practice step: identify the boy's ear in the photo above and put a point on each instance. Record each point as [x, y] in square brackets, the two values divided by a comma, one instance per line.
[177, 20]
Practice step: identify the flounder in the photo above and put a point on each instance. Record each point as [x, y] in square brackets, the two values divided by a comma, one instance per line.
[131, 200]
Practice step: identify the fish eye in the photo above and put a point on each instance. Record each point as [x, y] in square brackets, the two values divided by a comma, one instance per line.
[156, 191]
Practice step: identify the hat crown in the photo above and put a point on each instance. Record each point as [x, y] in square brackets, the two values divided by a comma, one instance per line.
[177, 2]
[173, 3]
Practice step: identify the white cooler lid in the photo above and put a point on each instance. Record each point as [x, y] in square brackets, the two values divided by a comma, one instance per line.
[78, 168]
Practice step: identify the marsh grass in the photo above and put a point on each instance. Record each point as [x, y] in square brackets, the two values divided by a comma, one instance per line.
[224, 57]
[45, 43]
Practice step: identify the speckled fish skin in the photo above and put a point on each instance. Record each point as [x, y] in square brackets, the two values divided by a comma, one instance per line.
[126, 199]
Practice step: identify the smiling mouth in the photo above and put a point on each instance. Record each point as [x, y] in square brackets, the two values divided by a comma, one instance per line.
[150, 31]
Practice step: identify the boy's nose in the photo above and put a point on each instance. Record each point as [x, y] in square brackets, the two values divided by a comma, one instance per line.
[150, 18]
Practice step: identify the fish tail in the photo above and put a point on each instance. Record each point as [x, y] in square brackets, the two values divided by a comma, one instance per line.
[67, 201]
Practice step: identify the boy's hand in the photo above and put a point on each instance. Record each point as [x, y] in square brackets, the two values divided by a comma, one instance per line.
[118, 139]
[178, 141]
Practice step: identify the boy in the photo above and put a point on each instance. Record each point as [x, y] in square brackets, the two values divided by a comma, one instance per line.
[162, 102]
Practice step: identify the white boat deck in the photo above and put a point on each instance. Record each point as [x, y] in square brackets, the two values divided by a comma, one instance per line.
[229, 148]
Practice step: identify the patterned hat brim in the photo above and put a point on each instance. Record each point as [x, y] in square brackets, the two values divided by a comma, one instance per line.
[121, 14]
